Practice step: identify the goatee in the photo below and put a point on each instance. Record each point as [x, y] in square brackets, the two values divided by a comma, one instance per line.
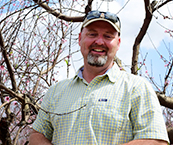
[96, 60]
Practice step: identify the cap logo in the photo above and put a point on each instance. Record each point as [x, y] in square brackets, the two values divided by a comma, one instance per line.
[102, 15]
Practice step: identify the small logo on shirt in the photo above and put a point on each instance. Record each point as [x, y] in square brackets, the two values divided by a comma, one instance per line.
[102, 100]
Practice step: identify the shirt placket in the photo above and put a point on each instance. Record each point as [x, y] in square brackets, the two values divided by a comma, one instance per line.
[85, 134]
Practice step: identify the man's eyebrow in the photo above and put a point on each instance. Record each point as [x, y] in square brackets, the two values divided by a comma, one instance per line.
[107, 32]
[112, 32]
[91, 30]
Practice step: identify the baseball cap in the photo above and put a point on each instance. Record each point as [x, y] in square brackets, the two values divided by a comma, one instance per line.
[109, 17]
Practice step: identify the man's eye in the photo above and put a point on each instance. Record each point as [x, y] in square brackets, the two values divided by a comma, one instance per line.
[92, 34]
[108, 36]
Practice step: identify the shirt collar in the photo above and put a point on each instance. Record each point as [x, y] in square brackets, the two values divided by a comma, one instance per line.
[112, 73]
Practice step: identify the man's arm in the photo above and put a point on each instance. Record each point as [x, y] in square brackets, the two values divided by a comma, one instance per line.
[37, 138]
[147, 142]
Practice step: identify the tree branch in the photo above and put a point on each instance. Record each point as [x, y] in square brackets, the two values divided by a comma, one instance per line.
[59, 15]
[166, 77]
[9, 67]
[139, 38]
[170, 134]
[165, 100]
[148, 17]
[12, 93]
[6, 103]
[162, 4]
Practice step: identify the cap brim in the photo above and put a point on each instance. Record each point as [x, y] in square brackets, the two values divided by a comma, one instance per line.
[101, 19]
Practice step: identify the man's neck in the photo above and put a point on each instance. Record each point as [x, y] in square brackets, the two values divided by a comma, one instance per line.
[90, 72]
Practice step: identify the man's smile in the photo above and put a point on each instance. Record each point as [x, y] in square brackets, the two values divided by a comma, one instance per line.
[98, 50]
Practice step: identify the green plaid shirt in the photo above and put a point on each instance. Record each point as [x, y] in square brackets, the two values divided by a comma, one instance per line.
[113, 108]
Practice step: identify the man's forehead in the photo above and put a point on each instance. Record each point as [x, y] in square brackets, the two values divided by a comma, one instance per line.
[95, 30]
[100, 25]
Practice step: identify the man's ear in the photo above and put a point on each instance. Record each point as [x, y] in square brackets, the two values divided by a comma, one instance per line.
[79, 38]
[119, 41]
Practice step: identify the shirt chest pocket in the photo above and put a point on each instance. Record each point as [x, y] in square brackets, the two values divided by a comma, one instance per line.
[108, 116]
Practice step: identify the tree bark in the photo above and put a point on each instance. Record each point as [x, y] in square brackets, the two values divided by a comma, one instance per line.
[170, 134]
[136, 46]
[7, 61]
[62, 16]
[165, 100]
[149, 9]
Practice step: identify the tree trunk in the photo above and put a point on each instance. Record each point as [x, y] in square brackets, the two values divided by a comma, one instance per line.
[170, 134]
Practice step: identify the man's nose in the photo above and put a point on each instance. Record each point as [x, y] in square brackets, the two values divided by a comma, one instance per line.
[99, 40]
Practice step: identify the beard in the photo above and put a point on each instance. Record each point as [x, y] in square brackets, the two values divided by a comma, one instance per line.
[96, 60]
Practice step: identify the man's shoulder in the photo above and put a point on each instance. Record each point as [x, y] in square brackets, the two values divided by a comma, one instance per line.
[58, 88]
[132, 79]
[130, 75]
[116, 72]
[62, 84]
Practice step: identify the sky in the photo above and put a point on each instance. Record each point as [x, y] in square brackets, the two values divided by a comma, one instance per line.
[131, 14]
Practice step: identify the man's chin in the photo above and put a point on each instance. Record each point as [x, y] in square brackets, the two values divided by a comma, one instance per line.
[96, 64]
[96, 60]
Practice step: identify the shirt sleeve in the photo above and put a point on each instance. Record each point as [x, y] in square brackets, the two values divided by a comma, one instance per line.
[146, 115]
[42, 123]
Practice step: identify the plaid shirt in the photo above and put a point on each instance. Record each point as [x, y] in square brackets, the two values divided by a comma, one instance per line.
[113, 108]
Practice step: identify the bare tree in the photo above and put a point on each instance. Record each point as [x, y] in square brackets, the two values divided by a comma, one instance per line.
[150, 8]
[35, 37]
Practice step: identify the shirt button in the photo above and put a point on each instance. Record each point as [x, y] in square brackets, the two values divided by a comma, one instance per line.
[89, 88]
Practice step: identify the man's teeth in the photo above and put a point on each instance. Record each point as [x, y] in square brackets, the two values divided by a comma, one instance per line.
[99, 50]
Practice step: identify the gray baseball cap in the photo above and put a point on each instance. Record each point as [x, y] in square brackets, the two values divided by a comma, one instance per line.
[111, 18]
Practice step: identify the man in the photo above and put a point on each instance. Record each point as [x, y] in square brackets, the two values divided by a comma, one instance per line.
[101, 104]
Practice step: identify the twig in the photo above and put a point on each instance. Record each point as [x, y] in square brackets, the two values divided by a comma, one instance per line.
[6, 103]
[63, 113]
[17, 136]
[12, 93]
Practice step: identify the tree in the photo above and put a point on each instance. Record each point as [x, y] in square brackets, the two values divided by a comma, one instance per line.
[35, 38]
[166, 101]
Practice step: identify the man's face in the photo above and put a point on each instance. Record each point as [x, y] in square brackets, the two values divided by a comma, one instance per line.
[99, 43]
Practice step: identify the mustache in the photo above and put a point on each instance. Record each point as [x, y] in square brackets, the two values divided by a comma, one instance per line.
[100, 46]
